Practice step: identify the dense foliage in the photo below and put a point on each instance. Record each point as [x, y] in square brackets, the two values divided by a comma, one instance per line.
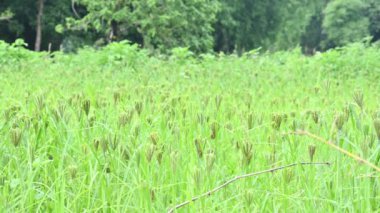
[115, 130]
[200, 25]
[345, 22]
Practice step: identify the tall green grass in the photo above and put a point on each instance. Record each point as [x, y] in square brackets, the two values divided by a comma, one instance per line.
[117, 130]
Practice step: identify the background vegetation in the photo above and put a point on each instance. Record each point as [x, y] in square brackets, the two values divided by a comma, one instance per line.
[201, 25]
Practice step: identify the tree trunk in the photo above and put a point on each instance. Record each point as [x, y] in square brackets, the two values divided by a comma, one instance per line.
[113, 32]
[37, 44]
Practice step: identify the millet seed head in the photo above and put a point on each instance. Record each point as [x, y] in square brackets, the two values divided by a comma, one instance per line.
[16, 135]
[86, 106]
[138, 107]
[339, 120]
[247, 150]
[214, 130]
[199, 145]
[315, 116]
[96, 144]
[250, 120]
[376, 124]
[358, 98]
[210, 159]
[276, 121]
[312, 149]
[154, 138]
[116, 97]
[150, 152]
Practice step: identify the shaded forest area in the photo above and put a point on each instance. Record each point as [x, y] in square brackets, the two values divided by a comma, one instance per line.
[202, 25]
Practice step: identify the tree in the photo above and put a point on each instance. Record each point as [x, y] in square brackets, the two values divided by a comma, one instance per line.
[200, 25]
[345, 21]
[249, 24]
[155, 24]
[374, 19]
[25, 22]
[246, 24]
[299, 18]
[313, 34]
[40, 9]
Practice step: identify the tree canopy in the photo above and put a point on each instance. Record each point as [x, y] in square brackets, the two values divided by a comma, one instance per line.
[200, 25]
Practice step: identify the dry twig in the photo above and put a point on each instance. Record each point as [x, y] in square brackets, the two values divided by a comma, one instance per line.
[237, 178]
[73, 9]
[331, 144]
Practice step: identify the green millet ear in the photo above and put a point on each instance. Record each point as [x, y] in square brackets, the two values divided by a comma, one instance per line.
[358, 98]
[376, 124]
[16, 136]
[86, 106]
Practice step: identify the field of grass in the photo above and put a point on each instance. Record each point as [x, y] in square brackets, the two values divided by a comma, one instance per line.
[118, 131]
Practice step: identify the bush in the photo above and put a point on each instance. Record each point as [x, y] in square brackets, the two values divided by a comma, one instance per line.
[16, 52]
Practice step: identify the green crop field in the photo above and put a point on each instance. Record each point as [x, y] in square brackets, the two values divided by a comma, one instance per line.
[117, 130]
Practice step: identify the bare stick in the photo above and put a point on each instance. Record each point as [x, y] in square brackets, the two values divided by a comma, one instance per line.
[237, 178]
[73, 8]
[331, 144]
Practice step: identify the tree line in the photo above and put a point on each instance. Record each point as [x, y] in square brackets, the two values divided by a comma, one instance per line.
[201, 25]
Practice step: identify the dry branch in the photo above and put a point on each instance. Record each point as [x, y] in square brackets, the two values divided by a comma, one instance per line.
[331, 144]
[237, 178]
[73, 9]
